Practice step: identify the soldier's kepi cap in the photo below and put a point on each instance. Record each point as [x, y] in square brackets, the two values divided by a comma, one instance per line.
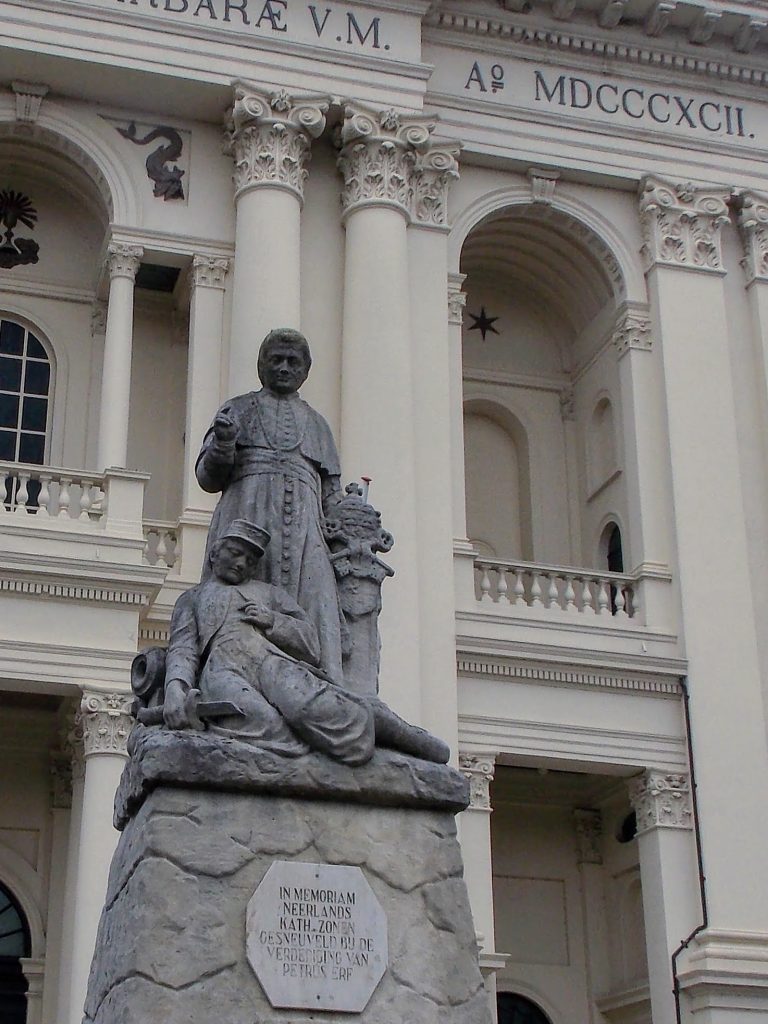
[249, 533]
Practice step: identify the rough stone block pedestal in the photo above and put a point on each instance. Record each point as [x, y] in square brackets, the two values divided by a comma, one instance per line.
[171, 947]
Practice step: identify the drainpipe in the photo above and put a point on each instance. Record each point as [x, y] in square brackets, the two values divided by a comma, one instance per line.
[699, 858]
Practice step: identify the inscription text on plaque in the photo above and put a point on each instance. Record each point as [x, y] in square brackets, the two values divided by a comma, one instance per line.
[316, 937]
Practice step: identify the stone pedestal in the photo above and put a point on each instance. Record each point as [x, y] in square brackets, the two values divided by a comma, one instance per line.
[172, 939]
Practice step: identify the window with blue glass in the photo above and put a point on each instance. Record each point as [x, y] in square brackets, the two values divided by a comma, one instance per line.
[25, 386]
[516, 1009]
[14, 945]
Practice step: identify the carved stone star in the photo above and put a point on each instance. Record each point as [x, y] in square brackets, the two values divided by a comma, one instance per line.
[483, 323]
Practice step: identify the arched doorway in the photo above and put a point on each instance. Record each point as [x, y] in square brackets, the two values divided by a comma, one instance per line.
[15, 944]
[516, 1009]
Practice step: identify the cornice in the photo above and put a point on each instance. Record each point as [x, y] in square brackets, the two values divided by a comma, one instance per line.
[553, 675]
[675, 49]
[75, 580]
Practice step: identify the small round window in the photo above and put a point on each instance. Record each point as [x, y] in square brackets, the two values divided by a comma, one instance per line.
[25, 384]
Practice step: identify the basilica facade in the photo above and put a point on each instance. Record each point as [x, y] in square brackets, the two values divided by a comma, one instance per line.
[527, 241]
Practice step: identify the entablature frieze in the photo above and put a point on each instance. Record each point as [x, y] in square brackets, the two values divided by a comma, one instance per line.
[698, 41]
[85, 579]
[603, 678]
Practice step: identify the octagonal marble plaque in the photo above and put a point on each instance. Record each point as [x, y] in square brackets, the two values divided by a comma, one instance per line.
[316, 937]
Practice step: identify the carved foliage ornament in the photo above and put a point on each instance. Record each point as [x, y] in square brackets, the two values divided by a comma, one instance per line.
[588, 826]
[391, 159]
[107, 721]
[661, 800]
[682, 224]
[269, 137]
[208, 271]
[123, 260]
[633, 330]
[479, 769]
[753, 225]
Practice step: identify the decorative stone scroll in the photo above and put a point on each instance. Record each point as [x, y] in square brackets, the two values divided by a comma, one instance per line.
[316, 937]
[588, 828]
[123, 259]
[753, 225]
[479, 769]
[208, 271]
[269, 136]
[107, 720]
[633, 330]
[661, 800]
[682, 224]
[433, 174]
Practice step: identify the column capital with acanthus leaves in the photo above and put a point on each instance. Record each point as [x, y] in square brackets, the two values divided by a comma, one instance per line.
[269, 136]
[106, 720]
[391, 159]
[682, 224]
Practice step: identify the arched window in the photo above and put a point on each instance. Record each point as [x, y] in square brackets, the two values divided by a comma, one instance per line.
[14, 944]
[515, 1009]
[25, 386]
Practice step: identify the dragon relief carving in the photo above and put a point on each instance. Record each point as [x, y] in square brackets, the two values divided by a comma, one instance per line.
[167, 179]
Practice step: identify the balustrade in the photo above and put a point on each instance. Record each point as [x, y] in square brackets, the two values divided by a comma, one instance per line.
[559, 588]
[162, 544]
[50, 493]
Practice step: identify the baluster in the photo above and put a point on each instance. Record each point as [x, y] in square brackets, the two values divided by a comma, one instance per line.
[176, 561]
[22, 494]
[150, 535]
[485, 582]
[44, 497]
[570, 595]
[519, 588]
[553, 596]
[64, 497]
[6, 493]
[162, 548]
[603, 598]
[586, 597]
[502, 587]
[86, 499]
[620, 602]
[536, 601]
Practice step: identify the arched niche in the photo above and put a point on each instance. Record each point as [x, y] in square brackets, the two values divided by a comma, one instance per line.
[602, 459]
[498, 481]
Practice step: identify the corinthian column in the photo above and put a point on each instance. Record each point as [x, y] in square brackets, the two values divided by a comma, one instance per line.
[106, 724]
[378, 154]
[475, 832]
[662, 803]
[269, 137]
[682, 227]
[122, 263]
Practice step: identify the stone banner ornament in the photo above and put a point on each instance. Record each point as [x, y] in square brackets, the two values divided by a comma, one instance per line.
[316, 937]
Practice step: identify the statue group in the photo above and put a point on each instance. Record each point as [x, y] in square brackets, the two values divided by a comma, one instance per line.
[288, 847]
[278, 645]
